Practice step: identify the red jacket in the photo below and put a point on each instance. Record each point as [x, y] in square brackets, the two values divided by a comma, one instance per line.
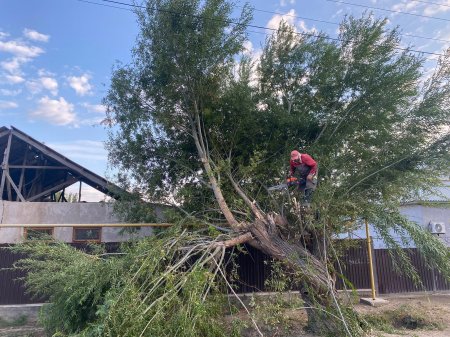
[307, 160]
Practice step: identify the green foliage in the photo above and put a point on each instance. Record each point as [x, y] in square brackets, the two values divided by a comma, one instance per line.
[184, 52]
[73, 281]
[278, 280]
[156, 287]
[321, 96]
[19, 321]
[358, 104]
[272, 312]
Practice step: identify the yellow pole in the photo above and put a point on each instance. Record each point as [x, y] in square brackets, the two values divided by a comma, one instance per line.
[369, 250]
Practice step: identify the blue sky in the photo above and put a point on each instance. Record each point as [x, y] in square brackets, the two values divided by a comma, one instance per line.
[56, 57]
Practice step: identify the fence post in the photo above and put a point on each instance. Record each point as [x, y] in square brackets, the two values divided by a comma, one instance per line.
[369, 250]
[375, 269]
[433, 275]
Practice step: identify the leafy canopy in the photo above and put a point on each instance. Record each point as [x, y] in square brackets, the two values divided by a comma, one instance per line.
[358, 104]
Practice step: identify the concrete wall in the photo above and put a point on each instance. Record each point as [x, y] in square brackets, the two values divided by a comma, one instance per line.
[60, 213]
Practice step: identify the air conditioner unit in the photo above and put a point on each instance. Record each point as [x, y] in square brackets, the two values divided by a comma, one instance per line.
[436, 227]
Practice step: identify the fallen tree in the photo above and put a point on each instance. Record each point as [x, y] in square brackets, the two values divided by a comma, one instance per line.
[194, 125]
[184, 124]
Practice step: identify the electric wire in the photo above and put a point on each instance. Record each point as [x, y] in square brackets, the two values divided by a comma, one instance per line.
[390, 10]
[431, 3]
[105, 5]
[336, 23]
[256, 26]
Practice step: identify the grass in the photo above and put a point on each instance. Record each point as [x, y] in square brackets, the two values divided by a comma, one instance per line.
[405, 317]
[19, 321]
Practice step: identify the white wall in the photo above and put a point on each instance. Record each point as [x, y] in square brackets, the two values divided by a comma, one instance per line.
[422, 215]
[60, 213]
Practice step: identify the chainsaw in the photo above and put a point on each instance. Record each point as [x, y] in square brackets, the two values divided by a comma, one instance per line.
[291, 181]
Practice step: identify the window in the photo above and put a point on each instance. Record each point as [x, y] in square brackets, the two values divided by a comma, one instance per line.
[83, 234]
[36, 233]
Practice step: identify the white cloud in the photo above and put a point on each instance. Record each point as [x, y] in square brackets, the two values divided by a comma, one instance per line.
[406, 6]
[35, 36]
[50, 84]
[248, 47]
[82, 149]
[432, 10]
[58, 112]
[34, 86]
[88, 193]
[6, 92]
[425, 9]
[14, 79]
[92, 121]
[8, 105]
[13, 65]
[98, 108]
[44, 73]
[284, 3]
[20, 49]
[80, 84]
[304, 28]
[46, 82]
[275, 21]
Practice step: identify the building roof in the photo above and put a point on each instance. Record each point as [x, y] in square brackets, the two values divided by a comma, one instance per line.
[32, 171]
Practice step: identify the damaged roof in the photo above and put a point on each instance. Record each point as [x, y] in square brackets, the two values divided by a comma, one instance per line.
[32, 171]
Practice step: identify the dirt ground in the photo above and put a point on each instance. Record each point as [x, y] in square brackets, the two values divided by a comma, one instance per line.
[402, 312]
[434, 307]
[285, 321]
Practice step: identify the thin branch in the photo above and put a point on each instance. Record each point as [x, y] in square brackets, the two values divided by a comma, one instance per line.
[255, 209]
[240, 301]
[243, 238]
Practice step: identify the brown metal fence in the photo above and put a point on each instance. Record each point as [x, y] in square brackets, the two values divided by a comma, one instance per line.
[254, 268]
[352, 269]
[390, 280]
[12, 289]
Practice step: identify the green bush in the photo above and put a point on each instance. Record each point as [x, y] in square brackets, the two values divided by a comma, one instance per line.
[154, 287]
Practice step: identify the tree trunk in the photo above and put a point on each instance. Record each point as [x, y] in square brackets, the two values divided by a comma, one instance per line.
[318, 293]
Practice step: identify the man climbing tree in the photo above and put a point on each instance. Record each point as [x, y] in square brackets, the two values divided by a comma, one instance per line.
[303, 169]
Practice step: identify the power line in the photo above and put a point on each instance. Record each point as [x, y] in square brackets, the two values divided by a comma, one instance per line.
[105, 5]
[389, 10]
[282, 14]
[431, 3]
[254, 26]
[337, 23]
[291, 15]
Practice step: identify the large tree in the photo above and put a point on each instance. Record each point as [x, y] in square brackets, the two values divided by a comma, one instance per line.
[195, 122]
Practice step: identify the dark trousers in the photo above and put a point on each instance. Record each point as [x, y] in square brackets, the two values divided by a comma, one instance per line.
[307, 189]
